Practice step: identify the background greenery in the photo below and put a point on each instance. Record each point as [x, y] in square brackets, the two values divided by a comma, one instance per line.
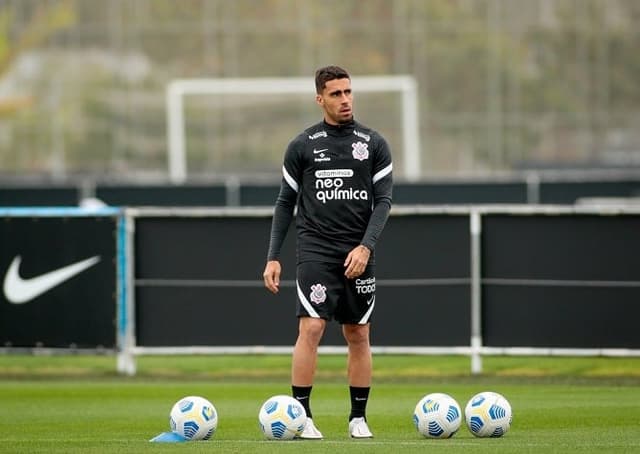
[504, 84]
[330, 367]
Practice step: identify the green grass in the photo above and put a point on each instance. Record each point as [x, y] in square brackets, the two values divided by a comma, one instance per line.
[78, 405]
[330, 367]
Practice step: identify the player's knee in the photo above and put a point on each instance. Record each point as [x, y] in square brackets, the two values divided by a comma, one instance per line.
[356, 334]
[311, 329]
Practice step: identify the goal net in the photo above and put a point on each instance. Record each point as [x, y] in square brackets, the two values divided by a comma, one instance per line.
[231, 125]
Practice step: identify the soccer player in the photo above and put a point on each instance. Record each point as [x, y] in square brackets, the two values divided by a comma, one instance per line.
[338, 172]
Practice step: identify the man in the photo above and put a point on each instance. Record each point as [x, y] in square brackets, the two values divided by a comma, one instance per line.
[339, 174]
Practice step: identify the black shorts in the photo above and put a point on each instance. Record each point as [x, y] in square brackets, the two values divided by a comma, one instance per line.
[325, 292]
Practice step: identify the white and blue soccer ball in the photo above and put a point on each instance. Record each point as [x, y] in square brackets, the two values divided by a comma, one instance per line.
[194, 418]
[488, 414]
[282, 417]
[437, 415]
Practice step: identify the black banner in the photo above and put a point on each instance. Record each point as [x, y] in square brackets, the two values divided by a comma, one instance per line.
[199, 282]
[58, 281]
[566, 281]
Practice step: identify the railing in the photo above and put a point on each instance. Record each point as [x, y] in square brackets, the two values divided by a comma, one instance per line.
[464, 280]
[522, 279]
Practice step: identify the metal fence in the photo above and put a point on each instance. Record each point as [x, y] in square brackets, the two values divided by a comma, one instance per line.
[512, 280]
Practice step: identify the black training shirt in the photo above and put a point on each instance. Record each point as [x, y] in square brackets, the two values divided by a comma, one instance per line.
[340, 178]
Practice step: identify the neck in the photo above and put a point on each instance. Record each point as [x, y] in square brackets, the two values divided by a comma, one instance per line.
[339, 125]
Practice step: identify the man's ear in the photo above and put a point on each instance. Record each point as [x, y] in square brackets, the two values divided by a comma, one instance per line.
[319, 100]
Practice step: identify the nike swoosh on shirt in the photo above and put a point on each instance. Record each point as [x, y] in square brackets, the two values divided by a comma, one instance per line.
[18, 290]
[319, 151]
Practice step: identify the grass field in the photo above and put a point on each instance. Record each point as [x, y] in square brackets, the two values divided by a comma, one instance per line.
[77, 404]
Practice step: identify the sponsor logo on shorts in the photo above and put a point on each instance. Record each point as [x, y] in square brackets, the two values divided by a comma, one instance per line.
[318, 293]
[365, 286]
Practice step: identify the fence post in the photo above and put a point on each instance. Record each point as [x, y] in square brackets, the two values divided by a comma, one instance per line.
[126, 363]
[475, 225]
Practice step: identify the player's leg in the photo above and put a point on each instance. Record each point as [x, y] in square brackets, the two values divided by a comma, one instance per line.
[354, 312]
[359, 363]
[303, 368]
[359, 367]
[315, 306]
[305, 350]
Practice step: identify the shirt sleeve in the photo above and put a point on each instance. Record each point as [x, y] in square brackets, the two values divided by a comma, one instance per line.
[382, 196]
[285, 203]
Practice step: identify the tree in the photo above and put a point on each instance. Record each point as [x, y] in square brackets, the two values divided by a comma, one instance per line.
[45, 20]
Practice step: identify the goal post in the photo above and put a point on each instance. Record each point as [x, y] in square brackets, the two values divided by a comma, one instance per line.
[178, 89]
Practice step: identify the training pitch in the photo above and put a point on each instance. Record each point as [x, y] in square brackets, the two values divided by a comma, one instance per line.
[79, 405]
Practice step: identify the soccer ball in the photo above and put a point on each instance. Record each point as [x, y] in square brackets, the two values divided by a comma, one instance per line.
[194, 417]
[488, 414]
[282, 418]
[437, 415]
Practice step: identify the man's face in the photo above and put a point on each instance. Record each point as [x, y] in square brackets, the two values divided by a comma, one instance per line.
[336, 101]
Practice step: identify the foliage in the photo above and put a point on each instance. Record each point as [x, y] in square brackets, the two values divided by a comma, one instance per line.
[500, 82]
[45, 21]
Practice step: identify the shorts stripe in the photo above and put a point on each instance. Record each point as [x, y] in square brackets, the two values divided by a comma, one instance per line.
[305, 303]
[365, 319]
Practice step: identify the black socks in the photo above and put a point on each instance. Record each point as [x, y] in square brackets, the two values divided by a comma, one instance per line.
[302, 394]
[359, 398]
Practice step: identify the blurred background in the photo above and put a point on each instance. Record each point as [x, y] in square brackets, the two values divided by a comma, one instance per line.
[519, 102]
[504, 85]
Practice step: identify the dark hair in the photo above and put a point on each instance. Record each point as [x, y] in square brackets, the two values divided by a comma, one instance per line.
[327, 73]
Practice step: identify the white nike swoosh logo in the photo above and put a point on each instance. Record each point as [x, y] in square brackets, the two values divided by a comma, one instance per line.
[18, 290]
[319, 151]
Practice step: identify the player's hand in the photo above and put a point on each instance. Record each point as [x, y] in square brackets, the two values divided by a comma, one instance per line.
[356, 261]
[271, 276]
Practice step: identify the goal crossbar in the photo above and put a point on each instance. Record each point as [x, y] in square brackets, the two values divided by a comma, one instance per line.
[179, 88]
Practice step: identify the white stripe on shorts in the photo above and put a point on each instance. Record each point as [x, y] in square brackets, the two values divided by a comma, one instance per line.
[305, 303]
[364, 320]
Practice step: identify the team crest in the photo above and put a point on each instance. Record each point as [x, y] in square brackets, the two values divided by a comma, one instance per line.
[318, 293]
[360, 151]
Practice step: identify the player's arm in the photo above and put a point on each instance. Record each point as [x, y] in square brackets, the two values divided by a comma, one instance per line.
[282, 216]
[271, 275]
[382, 193]
[358, 258]
[356, 261]
[382, 179]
